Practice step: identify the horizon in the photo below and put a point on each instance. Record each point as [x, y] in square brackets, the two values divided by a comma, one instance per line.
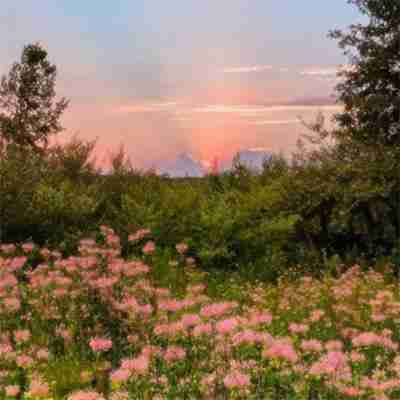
[159, 80]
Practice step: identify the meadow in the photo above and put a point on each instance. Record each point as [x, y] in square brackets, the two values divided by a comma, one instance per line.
[98, 325]
[281, 283]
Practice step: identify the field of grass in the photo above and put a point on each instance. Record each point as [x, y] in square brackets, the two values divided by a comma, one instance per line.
[96, 326]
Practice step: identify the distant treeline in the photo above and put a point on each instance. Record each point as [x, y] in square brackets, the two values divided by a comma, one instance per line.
[307, 214]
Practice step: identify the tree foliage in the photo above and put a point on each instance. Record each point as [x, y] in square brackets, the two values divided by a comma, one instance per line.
[368, 133]
[29, 113]
[371, 83]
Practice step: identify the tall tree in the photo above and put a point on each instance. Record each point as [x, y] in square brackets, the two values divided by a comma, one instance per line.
[371, 85]
[29, 113]
[368, 133]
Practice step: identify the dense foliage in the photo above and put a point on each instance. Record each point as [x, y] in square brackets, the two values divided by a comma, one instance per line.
[307, 213]
[368, 133]
[335, 202]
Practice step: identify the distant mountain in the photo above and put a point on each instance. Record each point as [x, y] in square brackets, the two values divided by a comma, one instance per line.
[183, 166]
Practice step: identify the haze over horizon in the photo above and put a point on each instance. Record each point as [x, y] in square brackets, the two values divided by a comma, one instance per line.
[209, 78]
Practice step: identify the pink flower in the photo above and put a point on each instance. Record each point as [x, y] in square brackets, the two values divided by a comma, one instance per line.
[38, 388]
[140, 234]
[120, 376]
[139, 365]
[227, 326]
[5, 349]
[150, 350]
[311, 346]
[8, 248]
[12, 390]
[189, 320]
[356, 357]
[260, 318]
[22, 336]
[174, 353]
[247, 337]
[86, 395]
[351, 391]
[332, 363]
[100, 344]
[236, 379]
[298, 328]
[12, 304]
[28, 247]
[217, 309]
[283, 349]
[42, 354]
[170, 305]
[112, 240]
[334, 345]
[202, 329]
[372, 339]
[149, 247]
[17, 263]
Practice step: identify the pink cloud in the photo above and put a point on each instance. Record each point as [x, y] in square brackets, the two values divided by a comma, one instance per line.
[254, 68]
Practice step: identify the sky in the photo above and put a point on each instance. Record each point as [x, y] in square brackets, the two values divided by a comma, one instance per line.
[208, 77]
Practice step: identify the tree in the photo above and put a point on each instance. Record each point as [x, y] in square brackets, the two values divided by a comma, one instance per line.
[371, 85]
[74, 159]
[368, 133]
[29, 113]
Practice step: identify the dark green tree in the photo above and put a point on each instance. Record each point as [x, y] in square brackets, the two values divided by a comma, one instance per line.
[371, 85]
[368, 133]
[29, 113]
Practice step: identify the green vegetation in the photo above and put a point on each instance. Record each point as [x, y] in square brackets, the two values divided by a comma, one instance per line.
[233, 286]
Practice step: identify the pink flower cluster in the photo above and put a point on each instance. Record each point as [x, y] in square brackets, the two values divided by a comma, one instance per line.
[99, 344]
[149, 247]
[231, 347]
[373, 339]
[281, 349]
[236, 380]
[86, 395]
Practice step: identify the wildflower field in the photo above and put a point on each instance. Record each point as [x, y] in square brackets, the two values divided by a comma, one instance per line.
[97, 326]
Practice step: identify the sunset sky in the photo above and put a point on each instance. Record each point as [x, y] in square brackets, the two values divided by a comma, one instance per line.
[208, 77]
